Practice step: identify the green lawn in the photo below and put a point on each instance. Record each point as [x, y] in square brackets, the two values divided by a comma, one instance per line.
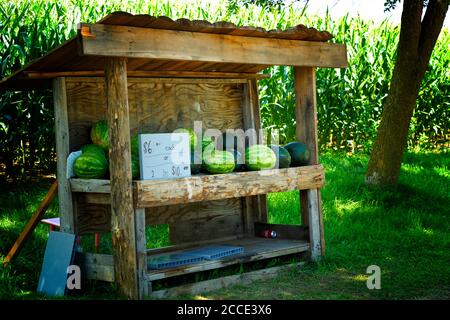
[406, 232]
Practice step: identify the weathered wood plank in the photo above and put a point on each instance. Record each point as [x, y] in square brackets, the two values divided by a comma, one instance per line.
[174, 105]
[31, 224]
[132, 42]
[315, 231]
[96, 266]
[122, 210]
[148, 74]
[306, 118]
[62, 152]
[213, 187]
[141, 252]
[261, 200]
[223, 282]
[206, 228]
[249, 204]
[91, 185]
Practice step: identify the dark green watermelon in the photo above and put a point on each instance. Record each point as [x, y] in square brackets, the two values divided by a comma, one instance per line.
[135, 145]
[92, 148]
[283, 157]
[196, 162]
[300, 153]
[99, 134]
[90, 166]
[135, 166]
[259, 157]
[217, 161]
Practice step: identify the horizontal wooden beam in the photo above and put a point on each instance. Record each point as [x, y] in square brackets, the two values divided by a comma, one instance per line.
[148, 74]
[149, 193]
[153, 193]
[133, 42]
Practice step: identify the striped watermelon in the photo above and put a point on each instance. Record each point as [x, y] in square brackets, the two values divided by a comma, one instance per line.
[99, 134]
[92, 148]
[90, 166]
[135, 166]
[259, 157]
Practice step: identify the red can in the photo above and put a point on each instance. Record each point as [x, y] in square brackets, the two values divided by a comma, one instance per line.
[270, 234]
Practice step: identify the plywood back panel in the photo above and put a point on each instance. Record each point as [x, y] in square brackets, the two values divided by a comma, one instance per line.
[156, 106]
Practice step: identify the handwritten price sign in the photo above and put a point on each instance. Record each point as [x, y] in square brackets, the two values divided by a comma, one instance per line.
[164, 155]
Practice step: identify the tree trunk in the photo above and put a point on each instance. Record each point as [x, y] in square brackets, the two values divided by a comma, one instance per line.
[417, 40]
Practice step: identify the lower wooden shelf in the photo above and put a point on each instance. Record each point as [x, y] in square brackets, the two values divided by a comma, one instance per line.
[254, 249]
[100, 266]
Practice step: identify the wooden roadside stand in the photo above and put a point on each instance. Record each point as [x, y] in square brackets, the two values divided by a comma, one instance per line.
[139, 71]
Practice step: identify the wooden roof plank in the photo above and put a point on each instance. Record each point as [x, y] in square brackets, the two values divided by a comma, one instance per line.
[132, 42]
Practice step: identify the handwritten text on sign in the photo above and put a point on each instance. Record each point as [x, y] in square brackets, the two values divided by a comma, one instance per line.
[164, 155]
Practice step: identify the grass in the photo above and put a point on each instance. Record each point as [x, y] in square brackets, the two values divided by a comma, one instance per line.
[406, 232]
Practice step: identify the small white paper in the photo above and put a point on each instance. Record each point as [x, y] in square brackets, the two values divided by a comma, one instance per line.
[70, 161]
[164, 156]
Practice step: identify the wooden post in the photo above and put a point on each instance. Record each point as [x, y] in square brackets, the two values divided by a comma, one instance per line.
[141, 252]
[306, 131]
[62, 152]
[122, 211]
[254, 206]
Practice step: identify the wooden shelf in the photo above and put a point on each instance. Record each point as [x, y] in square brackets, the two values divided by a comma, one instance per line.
[151, 193]
[254, 249]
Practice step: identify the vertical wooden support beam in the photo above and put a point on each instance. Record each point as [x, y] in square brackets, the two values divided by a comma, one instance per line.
[254, 98]
[141, 252]
[254, 206]
[62, 152]
[306, 131]
[122, 211]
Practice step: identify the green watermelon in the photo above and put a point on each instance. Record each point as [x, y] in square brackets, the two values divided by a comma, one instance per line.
[92, 148]
[99, 134]
[90, 166]
[217, 161]
[192, 136]
[283, 157]
[135, 166]
[135, 145]
[206, 142]
[259, 157]
[300, 153]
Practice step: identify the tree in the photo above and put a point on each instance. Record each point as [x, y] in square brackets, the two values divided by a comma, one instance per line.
[417, 40]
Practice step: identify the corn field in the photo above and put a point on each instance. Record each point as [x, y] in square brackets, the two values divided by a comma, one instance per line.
[350, 100]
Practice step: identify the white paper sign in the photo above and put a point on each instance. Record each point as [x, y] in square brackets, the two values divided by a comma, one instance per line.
[164, 155]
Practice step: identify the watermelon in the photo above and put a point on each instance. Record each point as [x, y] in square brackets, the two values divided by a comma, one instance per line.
[206, 142]
[283, 157]
[259, 157]
[99, 134]
[92, 148]
[196, 162]
[135, 145]
[216, 161]
[300, 153]
[135, 166]
[91, 165]
[192, 136]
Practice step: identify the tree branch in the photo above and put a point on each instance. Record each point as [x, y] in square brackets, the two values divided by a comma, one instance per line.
[431, 27]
